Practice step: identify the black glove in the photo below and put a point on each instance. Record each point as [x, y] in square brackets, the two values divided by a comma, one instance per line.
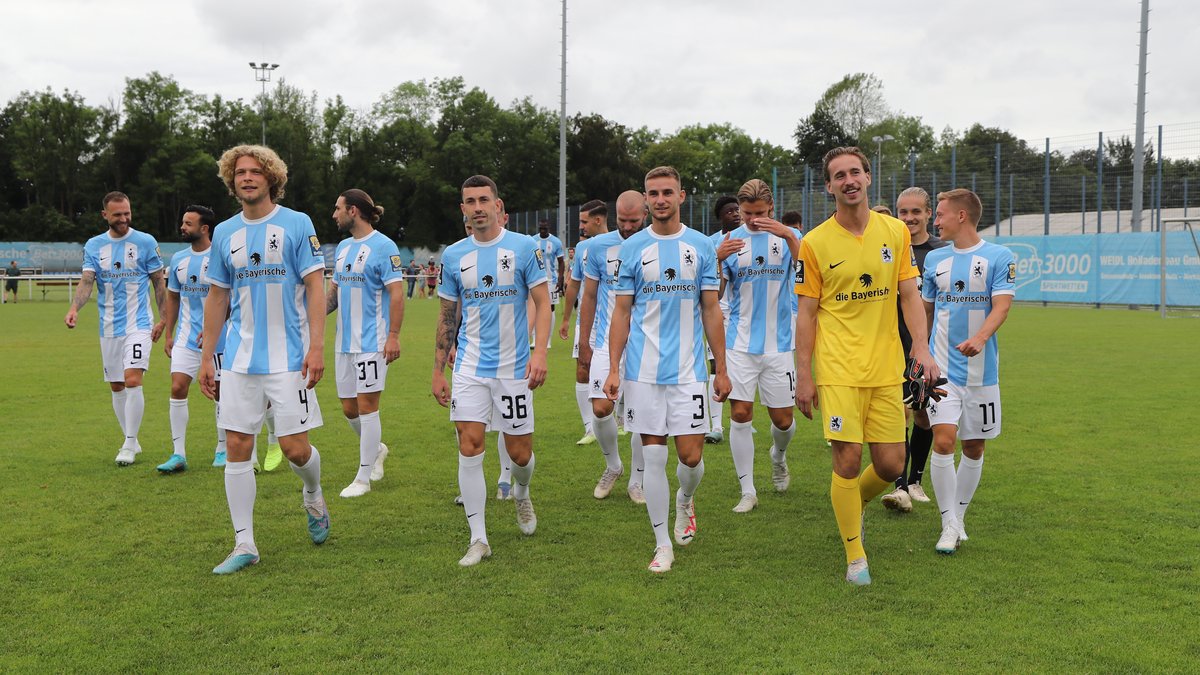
[916, 392]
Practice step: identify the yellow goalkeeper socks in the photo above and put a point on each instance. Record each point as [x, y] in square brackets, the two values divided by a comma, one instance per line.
[847, 509]
[870, 485]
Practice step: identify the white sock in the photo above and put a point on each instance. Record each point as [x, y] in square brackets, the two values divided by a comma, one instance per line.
[240, 490]
[221, 447]
[637, 462]
[741, 446]
[657, 492]
[135, 407]
[368, 445]
[781, 439]
[689, 479]
[118, 402]
[179, 422]
[474, 494]
[714, 408]
[585, 406]
[254, 451]
[969, 472]
[521, 477]
[355, 425]
[605, 429]
[506, 463]
[310, 473]
[619, 411]
[941, 472]
[270, 417]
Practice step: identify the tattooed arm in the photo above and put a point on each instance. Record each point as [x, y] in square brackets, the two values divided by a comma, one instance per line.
[82, 293]
[447, 330]
[159, 281]
[331, 299]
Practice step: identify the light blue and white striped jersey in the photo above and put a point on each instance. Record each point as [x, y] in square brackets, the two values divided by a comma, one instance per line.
[603, 264]
[263, 263]
[716, 238]
[961, 285]
[552, 249]
[579, 270]
[759, 287]
[491, 281]
[187, 277]
[123, 268]
[362, 270]
[665, 276]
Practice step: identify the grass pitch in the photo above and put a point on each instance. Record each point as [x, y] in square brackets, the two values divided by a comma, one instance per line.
[1083, 552]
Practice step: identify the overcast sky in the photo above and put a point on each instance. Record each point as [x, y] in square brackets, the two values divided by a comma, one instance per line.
[1037, 68]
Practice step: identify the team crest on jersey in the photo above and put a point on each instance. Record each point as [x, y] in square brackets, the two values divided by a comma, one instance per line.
[835, 423]
[1012, 272]
[273, 243]
[799, 271]
[595, 385]
[133, 254]
[396, 264]
[689, 259]
[315, 243]
[629, 415]
[541, 261]
[885, 254]
[775, 248]
[362, 255]
[977, 270]
[506, 263]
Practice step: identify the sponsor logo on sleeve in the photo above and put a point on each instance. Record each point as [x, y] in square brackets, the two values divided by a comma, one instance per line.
[396, 264]
[541, 261]
[1012, 272]
[799, 271]
[315, 243]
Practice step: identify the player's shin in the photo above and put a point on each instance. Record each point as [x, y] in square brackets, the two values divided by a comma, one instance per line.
[945, 486]
[968, 475]
[473, 488]
[135, 407]
[310, 473]
[870, 485]
[847, 509]
[741, 446]
[637, 460]
[179, 422]
[780, 439]
[118, 404]
[368, 445]
[689, 479]
[605, 429]
[240, 492]
[521, 477]
[585, 406]
[657, 491]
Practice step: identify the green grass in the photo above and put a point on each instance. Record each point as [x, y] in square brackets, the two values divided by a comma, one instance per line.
[1083, 552]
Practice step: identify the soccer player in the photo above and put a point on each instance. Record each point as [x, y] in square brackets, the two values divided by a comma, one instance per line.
[491, 274]
[968, 290]
[595, 314]
[553, 254]
[593, 222]
[912, 207]
[367, 267]
[666, 296]
[267, 274]
[849, 362]
[187, 287]
[127, 263]
[729, 218]
[756, 282]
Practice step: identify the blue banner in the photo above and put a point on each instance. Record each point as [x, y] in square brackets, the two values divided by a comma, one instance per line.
[1106, 268]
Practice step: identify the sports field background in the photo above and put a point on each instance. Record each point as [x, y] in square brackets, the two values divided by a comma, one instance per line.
[1083, 555]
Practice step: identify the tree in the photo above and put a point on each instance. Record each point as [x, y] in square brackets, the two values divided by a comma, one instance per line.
[817, 134]
[855, 102]
[600, 161]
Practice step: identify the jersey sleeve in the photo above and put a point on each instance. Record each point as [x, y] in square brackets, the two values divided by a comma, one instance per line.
[808, 272]
[391, 268]
[306, 248]
[218, 263]
[449, 286]
[708, 267]
[151, 257]
[90, 263]
[172, 276]
[593, 265]
[1004, 274]
[533, 266]
[628, 270]
[929, 280]
[907, 269]
[577, 264]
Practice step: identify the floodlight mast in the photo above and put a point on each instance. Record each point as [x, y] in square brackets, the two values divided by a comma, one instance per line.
[562, 136]
[262, 73]
[1139, 134]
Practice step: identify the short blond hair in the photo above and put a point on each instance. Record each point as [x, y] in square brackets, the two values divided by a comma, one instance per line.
[966, 200]
[664, 172]
[273, 168]
[882, 208]
[754, 190]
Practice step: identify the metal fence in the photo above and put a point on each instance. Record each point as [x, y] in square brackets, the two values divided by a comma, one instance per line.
[1062, 185]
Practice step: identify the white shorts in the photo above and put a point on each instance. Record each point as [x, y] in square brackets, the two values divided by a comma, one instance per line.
[598, 372]
[772, 375]
[359, 373]
[187, 362]
[244, 401]
[974, 410]
[666, 409]
[500, 405]
[119, 354]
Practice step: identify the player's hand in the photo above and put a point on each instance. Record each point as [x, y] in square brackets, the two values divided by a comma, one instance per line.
[612, 386]
[208, 379]
[157, 331]
[441, 390]
[391, 349]
[313, 367]
[971, 346]
[585, 355]
[168, 345]
[721, 387]
[564, 331]
[451, 355]
[535, 371]
[70, 318]
[932, 372]
[806, 396]
[729, 247]
[772, 226]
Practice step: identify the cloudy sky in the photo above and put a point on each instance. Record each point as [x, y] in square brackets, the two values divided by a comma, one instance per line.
[1060, 68]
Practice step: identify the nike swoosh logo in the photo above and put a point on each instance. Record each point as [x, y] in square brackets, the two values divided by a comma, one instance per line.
[963, 503]
[853, 538]
[938, 274]
[236, 250]
[640, 470]
[946, 511]
[657, 524]
[647, 262]
[697, 425]
[239, 531]
[741, 476]
[613, 261]
[831, 265]
[518, 426]
[303, 421]
[986, 430]
[464, 269]
[472, 515]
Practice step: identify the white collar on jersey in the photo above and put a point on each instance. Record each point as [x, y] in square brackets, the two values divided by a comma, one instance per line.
[972, 249]
[263, 219]
[682, 228]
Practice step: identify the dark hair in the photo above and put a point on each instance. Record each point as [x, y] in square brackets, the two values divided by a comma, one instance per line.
[478, 181]
[595, 208]
[792, 219]
[367, 208]
[844, 150]
[113, 196]
[543, 223]
[722, 202]
[207, 217]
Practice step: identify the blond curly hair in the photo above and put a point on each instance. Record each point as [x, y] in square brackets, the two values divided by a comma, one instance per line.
[273, 168]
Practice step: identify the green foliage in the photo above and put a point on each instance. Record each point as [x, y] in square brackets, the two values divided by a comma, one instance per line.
[1082, 556]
